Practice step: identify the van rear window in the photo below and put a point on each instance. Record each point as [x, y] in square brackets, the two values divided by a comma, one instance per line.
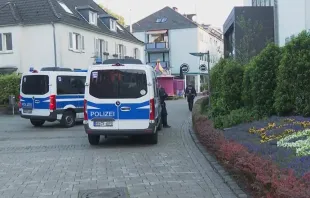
[35, 84]
[123, 83]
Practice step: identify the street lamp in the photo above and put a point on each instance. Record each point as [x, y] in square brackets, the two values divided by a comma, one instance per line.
[200, 54]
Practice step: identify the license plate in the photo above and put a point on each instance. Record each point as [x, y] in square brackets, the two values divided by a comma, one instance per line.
[27, 110]
[103, 124]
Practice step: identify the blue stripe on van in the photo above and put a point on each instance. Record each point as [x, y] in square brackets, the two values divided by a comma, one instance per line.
[76, 102]
[28, 102]
[138, 111]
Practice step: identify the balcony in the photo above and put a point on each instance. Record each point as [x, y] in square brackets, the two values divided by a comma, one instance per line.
[165, 64]
[157, 47]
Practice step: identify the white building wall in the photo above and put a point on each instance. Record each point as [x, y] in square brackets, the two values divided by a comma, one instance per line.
[183, 41]
[293, 18]
[140, 35]
[33, 46]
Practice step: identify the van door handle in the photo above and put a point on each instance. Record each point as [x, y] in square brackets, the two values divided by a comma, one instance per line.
[125, 108]
[37, 101]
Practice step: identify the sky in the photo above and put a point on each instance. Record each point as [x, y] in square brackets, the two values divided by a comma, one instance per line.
[212, 12]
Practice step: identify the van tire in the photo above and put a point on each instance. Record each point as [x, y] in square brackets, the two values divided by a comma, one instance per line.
[93, 139]
[153, 139]
[68, 119]
[160, 125]
[37, 123]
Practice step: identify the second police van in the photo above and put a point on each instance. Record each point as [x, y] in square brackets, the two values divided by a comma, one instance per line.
[121, 99]
[52, 95]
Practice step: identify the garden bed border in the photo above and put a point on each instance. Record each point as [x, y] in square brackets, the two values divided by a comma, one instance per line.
[216, 166]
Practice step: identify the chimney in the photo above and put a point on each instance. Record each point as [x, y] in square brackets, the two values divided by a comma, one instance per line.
[175, 9]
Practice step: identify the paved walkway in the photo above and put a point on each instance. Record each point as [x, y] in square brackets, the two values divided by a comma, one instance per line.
[56, 162]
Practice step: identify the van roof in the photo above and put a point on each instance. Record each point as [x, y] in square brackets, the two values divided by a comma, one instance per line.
[69, 73]
[122, 61]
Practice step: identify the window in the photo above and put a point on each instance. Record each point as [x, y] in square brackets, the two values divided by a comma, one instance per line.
[136, 53]
[161, 20]
[6, 44]
[120, 50]
[101, 48]
[70, 85]
[121, 83]
[93, 18]
[112, 25]
[65, 7]
[76, 42]
[35, 85]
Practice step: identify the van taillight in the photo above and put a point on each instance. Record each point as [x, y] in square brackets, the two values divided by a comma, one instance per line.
[19, 101]
[52, 102]
[152, 109]
[85, 110]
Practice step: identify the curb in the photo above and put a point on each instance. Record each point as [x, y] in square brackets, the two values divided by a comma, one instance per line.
[217, 167]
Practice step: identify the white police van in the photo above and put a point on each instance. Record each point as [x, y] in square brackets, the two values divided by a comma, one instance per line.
[52, 95]
[121, 99]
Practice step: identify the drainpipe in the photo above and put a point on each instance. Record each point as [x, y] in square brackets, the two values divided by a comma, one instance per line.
[54, 39]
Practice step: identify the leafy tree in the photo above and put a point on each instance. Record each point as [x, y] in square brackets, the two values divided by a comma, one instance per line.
[121, 19]
[251, 31]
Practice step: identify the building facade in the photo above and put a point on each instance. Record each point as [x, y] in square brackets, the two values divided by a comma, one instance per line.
[247, 31]
[48, 33]
[291, 17]
[170, 37]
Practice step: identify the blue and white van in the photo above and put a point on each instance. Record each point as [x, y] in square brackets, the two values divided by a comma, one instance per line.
[121, 100]
[52, 95]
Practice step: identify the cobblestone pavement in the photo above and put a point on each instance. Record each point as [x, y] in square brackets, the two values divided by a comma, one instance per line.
[54, 162]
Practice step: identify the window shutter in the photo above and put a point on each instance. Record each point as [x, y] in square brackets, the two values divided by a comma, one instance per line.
[70, 40]
[116, 48]
[83, 46]
[125, 51]
[96, 45]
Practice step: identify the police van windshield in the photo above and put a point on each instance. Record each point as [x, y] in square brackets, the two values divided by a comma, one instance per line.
[121, 83]
[35, 84]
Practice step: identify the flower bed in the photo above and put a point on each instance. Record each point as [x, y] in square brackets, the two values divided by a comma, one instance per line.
[236, 148]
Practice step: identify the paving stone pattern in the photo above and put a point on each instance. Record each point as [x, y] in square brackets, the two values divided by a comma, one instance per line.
[55, 162]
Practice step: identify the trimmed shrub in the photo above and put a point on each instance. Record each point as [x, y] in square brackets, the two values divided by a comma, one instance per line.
[247, 85]
[264, 81]
[9, 86]
[292, 94]
[232, 78]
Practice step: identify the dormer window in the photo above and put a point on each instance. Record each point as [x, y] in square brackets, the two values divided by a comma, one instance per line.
[112, 25]
[93, 18]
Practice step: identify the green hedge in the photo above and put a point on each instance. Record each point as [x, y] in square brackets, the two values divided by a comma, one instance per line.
[276, 81]
[9, 86]
[264, 80]
[293, 91]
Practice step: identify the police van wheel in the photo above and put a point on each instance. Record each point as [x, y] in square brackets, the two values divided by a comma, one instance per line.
[154, 138]
[37, 123]
[68, 119]
[93, 139]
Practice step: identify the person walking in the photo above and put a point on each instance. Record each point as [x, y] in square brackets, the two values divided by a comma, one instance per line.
[164, 114]
[190, 94]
